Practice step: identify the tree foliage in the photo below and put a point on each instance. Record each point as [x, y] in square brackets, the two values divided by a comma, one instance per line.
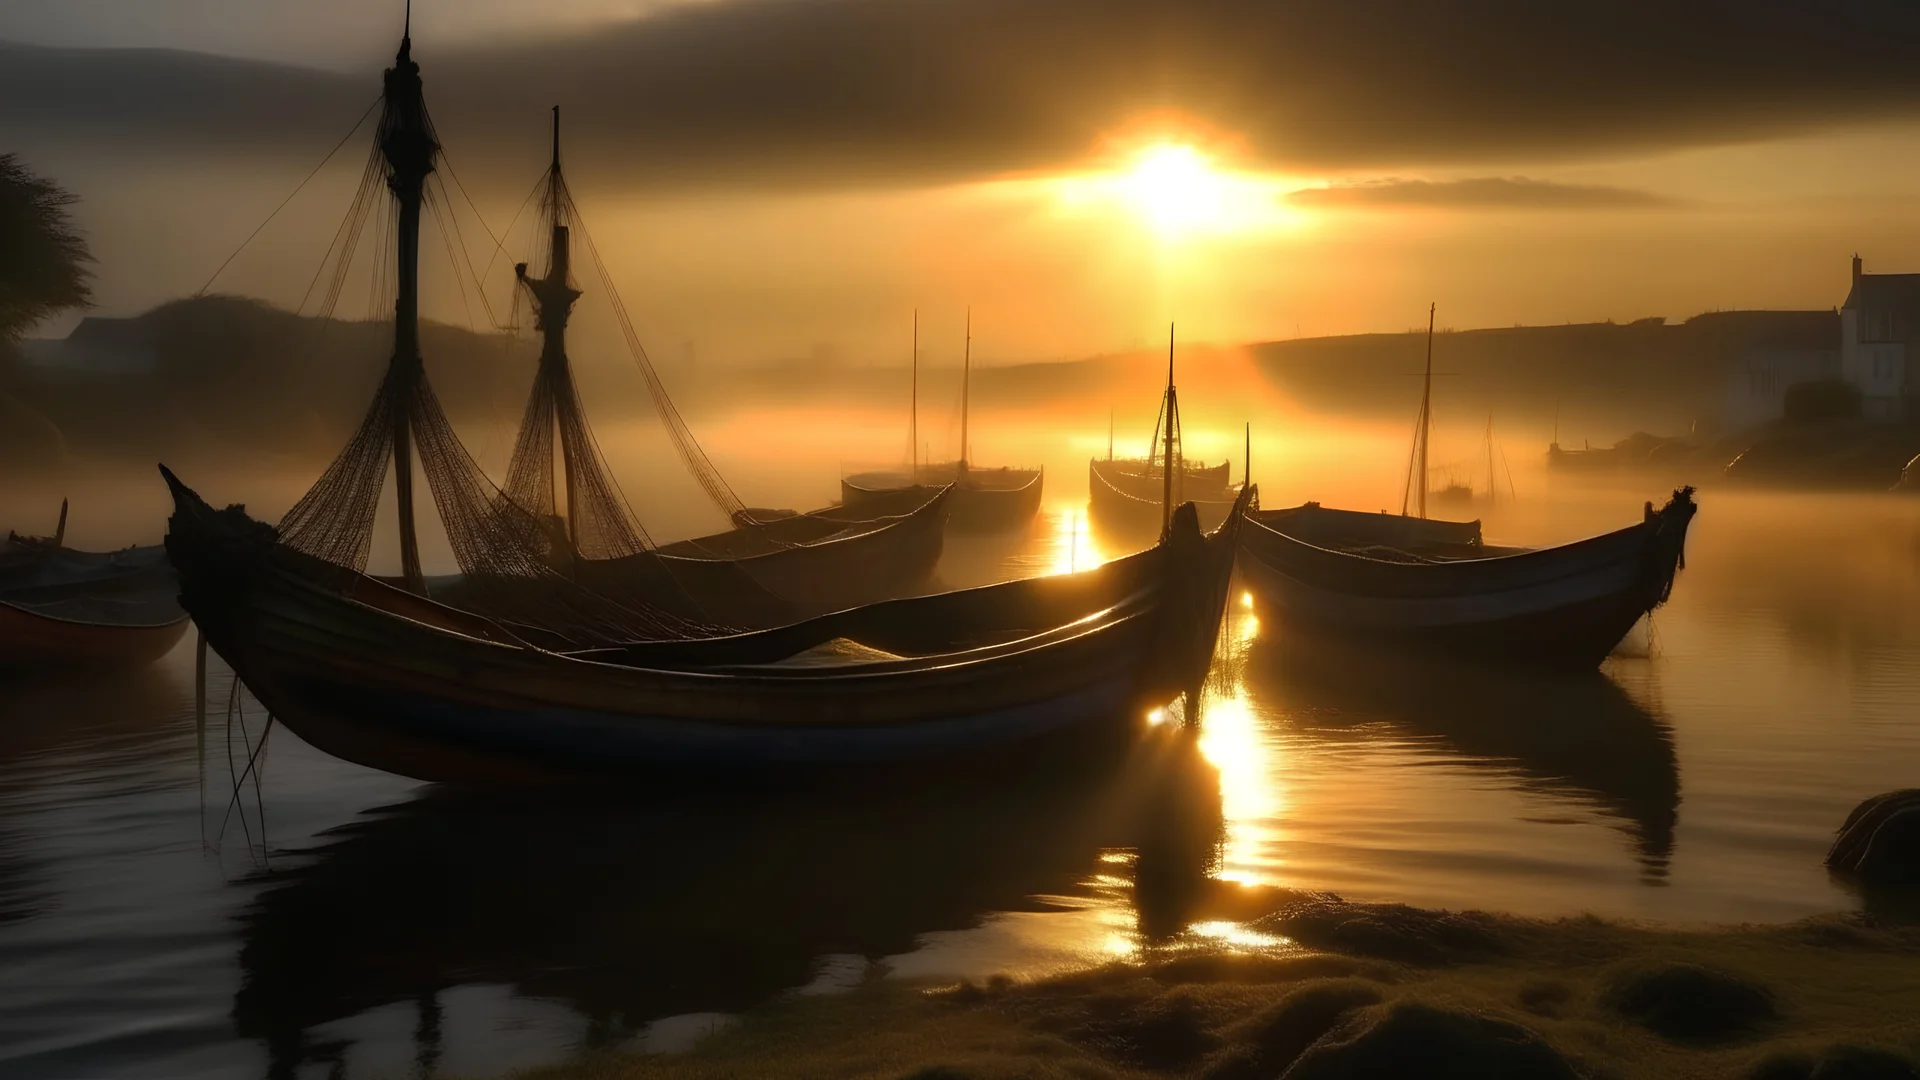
[43, 257]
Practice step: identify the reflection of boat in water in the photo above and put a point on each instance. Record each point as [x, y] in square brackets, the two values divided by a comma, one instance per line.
[68, 731]
[1576, 734]
[65, 608]
[626, 912]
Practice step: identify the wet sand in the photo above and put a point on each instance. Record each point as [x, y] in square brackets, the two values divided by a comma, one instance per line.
[1369, 990]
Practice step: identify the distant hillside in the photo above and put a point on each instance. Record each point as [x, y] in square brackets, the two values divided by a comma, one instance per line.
[221, 375]
[1603, 380]
[1600, 376]
[226, 375]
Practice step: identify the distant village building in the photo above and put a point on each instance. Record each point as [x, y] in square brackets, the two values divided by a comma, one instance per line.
[1763, 354]
[98, 346]
[1877, 322]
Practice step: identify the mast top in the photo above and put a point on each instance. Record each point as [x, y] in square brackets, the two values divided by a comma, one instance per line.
[556, 138]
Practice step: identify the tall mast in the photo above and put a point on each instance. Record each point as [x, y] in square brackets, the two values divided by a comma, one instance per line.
[553, 299]
[966, 374]
[1246, 463]
[1172, 410]
[913, 422]
[408, 144]
[1417, 459]
[1426, 412]
[1492, 497]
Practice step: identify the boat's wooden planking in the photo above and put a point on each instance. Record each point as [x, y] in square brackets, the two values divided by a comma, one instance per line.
[871, 559]
[1561, 606]
[31, 640]
[1113, 504]
[1014, 661]
[986, 500]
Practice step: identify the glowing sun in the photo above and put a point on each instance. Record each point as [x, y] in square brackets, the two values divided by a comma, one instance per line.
[1178, 191]
[1177, 188]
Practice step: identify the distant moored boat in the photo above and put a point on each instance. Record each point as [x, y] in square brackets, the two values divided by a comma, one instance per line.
[981, 500]
[61, 608]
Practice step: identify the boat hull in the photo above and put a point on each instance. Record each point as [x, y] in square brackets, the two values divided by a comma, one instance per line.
[438, 696]
[1564, 607]
[866, 556]
[987, 500]
[1121, 504]
[32, 641]
[61, 608]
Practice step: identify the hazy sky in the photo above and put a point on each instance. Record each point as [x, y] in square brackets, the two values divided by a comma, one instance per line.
[771, 178]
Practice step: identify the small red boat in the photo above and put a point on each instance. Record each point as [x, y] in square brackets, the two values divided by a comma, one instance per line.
[61, 608]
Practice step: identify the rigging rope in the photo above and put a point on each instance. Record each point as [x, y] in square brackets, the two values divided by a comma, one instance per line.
[516, 568]
[691, 453]
[344, 139]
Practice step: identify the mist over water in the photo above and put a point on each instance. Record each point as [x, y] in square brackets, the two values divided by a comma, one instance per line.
[1696, 780]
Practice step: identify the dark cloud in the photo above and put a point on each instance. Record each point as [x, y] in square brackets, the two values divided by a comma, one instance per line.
[1479, 193]
[786, 91]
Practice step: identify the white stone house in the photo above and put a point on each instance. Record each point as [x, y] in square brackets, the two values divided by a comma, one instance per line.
[1877, 324]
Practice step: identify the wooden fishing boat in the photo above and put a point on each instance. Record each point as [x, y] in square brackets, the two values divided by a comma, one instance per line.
[1123, 495]
[1354, 530]
[1565, 606]
[979, 500]
[61, 608]
[784, 566]
[389, 679]
[982, 500]
[826, 560]
[1131, 496]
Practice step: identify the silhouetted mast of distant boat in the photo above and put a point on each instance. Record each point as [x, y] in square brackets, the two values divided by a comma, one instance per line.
[1417, 463]
[1173, 423]
[966, 374]
[913, 414]
[1493, 494]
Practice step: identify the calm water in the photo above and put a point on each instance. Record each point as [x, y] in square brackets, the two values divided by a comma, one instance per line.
[336, 921]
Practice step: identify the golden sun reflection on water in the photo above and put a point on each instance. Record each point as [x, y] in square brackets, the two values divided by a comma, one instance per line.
[1234, 740]
[1071, 545]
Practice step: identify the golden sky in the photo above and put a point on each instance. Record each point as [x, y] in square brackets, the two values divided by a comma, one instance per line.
[771, 181]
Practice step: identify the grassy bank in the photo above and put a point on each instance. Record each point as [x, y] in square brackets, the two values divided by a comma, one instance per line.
[1373, 990]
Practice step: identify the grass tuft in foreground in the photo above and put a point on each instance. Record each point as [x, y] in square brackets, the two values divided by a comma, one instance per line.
[1374, 990]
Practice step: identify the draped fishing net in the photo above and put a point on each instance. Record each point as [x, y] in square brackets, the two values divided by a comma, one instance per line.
[514, 551]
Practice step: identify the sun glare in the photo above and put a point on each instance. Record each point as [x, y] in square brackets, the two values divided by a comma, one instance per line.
[1178, 190]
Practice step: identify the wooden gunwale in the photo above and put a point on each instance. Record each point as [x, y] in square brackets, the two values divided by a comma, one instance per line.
[298, 618]
[1362, 575]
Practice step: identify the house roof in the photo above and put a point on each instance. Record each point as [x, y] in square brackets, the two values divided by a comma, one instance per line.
[1885, 292]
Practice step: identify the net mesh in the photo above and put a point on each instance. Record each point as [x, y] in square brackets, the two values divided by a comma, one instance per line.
[515, 555]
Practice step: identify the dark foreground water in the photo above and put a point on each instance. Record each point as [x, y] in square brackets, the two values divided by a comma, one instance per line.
[338, 922]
